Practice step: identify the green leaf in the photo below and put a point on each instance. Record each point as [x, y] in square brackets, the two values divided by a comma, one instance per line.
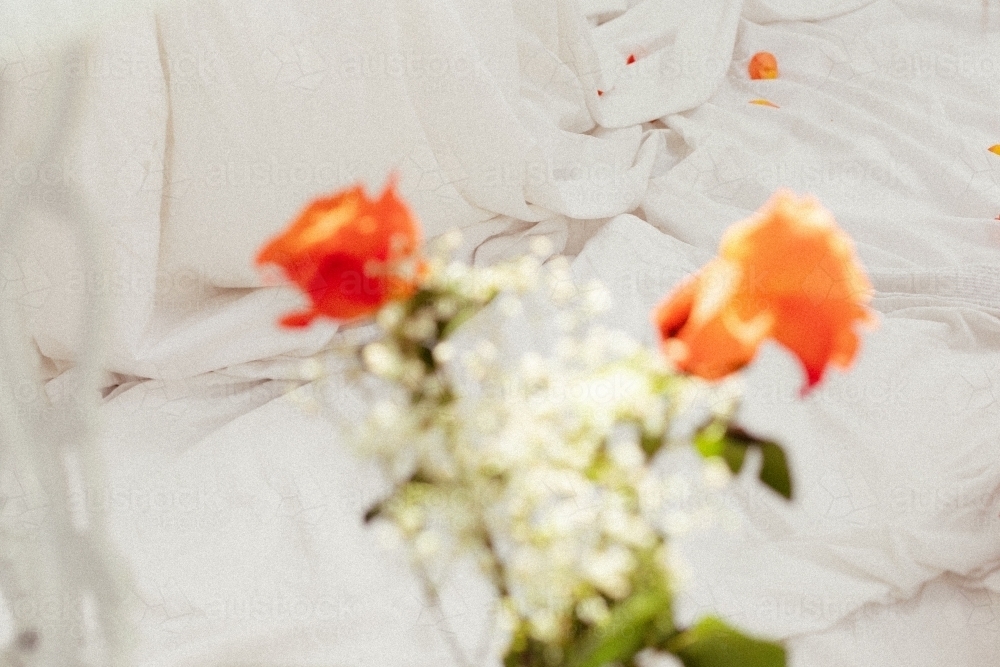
[625, 633]
[733, 453]
[774, 471]
[774, 468]
[709, 440]
[712, 643]
[651, 443]
[374, 512]
[714, 439]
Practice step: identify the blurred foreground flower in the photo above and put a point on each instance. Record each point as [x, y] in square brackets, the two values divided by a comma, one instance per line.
[540, 465]
[349, 254]
[786, 273]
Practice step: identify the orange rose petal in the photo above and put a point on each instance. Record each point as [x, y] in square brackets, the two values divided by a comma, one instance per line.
[343, 252]
[995, 148]
[697, 337]
[804, 268]
[787, 273]
[714, 352]
[764, 103]
[763, 65]
[671, 315]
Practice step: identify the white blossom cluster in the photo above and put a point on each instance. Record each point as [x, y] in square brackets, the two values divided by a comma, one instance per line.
[539, 464]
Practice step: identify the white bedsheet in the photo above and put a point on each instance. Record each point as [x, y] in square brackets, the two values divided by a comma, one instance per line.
[206, 127]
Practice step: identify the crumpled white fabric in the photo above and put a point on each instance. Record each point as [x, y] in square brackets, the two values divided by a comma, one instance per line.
[893, 462]
[206, 127]
[246, 110]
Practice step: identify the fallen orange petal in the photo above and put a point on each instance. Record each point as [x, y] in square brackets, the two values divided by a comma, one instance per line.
[995, 148]
[763, 65]
[764, 103]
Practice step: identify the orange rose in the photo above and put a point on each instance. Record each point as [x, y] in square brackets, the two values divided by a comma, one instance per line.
[786, 273]
[349, 254]
[763, 65]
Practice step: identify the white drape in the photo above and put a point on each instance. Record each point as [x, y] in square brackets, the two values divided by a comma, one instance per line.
[204, 128]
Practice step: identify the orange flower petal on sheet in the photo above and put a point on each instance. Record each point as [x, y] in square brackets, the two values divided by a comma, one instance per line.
[994, 149]
[700, 339]
[765, 103]
[786, 273]
[763, 65]
[349, 254]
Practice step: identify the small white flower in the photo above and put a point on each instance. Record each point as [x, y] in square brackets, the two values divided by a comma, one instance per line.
[609, 570]
[525, 274]
[409, 518]
[457, 273]
[653, 658]
[563, 291]
[716, 473]
[592, 610]
[541, 246]
[597, 299]
[390, 315]
[382, 360]
[385, 415]
[450, 241]
[427, 544]
[533, 368]
[310, 370]
[545, 626]
[443, 352]
[623, 447]
[509, 306]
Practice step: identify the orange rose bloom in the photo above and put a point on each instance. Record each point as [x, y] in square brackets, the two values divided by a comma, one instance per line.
[763, 65]
[786, 273]
[349, 254]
